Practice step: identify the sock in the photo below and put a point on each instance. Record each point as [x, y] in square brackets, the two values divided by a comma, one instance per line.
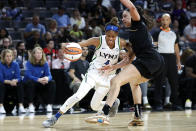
[167, 100]
[58, 114]
[145, 100]
[106, 109]
[137, 110]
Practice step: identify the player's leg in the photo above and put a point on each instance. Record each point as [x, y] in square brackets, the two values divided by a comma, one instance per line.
[84, 88]
[129, 74]
[97, 103]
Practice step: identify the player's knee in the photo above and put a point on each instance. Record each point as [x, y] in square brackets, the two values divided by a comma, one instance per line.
[114, 82]
[94, 106]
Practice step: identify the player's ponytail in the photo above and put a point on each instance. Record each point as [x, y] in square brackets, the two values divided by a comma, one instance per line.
[112, 25]
[147, 19]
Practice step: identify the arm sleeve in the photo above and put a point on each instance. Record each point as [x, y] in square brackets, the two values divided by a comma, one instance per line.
[47, 71]
[28, 72]
[1, 74]
[17, 73]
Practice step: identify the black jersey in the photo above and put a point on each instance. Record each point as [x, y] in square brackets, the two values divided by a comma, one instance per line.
[140, 38]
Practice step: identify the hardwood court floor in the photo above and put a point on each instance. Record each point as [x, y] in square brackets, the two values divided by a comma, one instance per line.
[154, 121]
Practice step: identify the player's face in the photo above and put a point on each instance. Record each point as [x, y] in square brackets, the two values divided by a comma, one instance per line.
[38, 55]
[165, 21]
[8, 58]
[111, 37]
[126, 19]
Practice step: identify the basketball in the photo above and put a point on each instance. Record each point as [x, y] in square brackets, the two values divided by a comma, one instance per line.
[73, 51]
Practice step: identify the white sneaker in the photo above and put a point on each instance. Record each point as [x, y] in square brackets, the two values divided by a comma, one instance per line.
[2, 110]
[188, 104]
[14, 111]
[49, 108]
[21, 109]
[31, 109]
[98, 118]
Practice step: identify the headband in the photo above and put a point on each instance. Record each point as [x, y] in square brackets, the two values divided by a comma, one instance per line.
[111, 27]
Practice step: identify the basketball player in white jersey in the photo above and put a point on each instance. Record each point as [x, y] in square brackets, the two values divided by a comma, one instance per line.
[107, 53]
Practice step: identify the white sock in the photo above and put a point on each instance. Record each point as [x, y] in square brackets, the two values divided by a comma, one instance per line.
[145, 100]
[167, 100]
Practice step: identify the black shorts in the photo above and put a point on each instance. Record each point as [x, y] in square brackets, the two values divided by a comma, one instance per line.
[149, 63]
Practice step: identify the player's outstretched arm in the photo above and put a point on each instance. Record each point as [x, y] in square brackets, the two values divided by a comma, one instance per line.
[92, 41]
[132, 9]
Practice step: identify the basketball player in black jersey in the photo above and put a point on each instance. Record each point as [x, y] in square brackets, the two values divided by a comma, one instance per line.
[148, 64]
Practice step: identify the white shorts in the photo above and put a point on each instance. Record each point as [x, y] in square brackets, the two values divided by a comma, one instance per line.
[98, 78]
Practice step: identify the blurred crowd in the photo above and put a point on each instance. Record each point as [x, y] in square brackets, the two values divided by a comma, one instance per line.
[28, 27]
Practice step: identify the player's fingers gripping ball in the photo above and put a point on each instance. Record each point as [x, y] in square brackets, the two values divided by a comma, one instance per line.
[72, 51]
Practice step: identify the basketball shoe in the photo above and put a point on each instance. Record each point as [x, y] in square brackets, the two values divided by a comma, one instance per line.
[98, 118]
[50, 122]
[114, 108]
[137, 121]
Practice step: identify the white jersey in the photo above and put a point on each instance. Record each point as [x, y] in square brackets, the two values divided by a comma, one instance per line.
[103, 56]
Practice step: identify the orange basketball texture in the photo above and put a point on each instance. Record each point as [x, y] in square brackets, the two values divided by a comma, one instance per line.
[73, 51]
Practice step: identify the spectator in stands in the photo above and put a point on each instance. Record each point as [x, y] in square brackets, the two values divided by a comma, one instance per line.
[100, 12]
[96, 29]
[3, 14]
[50, 52]
[6, 44]
[76, 33]
[179, 15]
[22, 53]
[62, 19]
[38, 80]
[192, 10]
[47, 36]
[10, 80]
[191, 73]
[78, 69]
[190, 33]
[60, 62]
[35, 41]
[77, 19]
[151, 5]
[52, 28]
[14, 12]
[4, 34]
[34, 26]
[64, 36]
[83, 8]
[87, 30]
[166, 6]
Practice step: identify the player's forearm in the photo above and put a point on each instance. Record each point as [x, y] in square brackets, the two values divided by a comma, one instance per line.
[121, 64]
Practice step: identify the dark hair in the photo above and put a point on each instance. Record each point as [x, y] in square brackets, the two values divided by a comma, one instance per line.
[18, 44]
[6, 35]
[114, 21]
[147, 19]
